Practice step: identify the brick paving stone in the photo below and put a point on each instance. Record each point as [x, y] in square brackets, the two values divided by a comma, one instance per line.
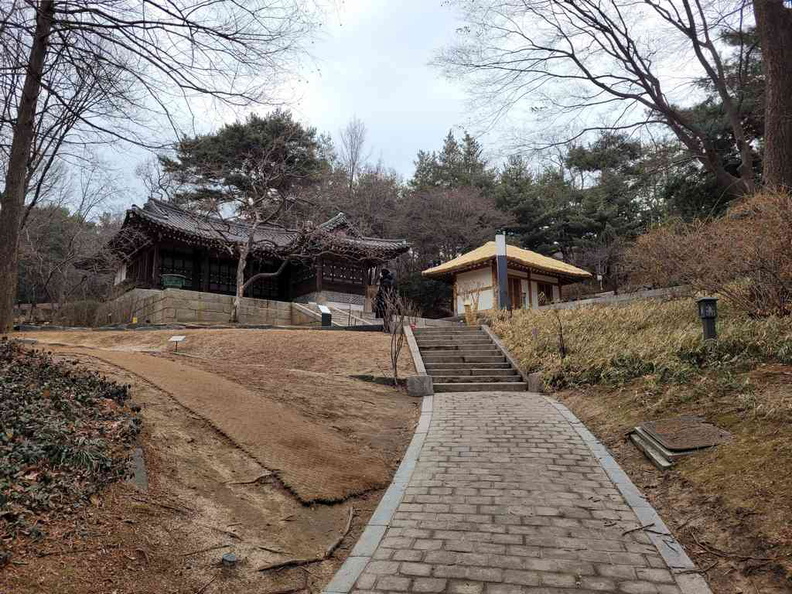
[507, 498]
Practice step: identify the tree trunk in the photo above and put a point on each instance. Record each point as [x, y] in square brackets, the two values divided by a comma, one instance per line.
[244, 250]
[774, 24]
[12, 202]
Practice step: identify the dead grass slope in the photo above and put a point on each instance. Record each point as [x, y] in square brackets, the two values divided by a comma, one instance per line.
[206, 495]
[285, 397]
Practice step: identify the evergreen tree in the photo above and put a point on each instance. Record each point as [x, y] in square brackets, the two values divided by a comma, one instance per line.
[455, 166]
[271, 154]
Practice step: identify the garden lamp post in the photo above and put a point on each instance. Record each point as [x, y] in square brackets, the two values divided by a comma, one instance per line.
[708, 312]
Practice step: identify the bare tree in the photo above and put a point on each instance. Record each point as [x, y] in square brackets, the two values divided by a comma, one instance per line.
[61, 231]
[443, 223]
[774, 24]
[352, 150]
[141, 59]
[616, 60]
[159, 184]
[399, 312]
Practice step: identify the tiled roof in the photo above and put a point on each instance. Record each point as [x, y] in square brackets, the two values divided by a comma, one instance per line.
[520, 256]
[201, 229]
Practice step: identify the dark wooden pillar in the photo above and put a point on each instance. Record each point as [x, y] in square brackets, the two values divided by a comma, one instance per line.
[155, 268]
[319, 274]
[204, 270]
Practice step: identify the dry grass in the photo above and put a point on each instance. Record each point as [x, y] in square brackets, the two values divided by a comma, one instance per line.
[216, 493]
[632, 363]
[661, 341]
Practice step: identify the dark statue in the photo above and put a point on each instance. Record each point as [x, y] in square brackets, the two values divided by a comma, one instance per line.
[385, 293]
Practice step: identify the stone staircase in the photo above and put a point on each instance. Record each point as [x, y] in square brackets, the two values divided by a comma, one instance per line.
[462, 359]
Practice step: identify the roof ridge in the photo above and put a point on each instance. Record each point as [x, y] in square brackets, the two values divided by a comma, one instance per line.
[523, 256]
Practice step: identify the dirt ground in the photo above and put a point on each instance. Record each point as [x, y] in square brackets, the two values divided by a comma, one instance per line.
[731, 507]
[207, 495]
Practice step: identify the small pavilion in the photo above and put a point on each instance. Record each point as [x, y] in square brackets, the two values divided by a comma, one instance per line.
[533, 279]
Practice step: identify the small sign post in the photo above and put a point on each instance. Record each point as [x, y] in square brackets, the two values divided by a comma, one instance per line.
[176, 340]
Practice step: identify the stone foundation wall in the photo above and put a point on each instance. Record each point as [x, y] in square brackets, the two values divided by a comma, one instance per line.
[174, 306]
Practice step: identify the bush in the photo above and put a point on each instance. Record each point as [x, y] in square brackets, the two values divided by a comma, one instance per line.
[432, 297]
[78, 313]
[744, 256]
[614, 344]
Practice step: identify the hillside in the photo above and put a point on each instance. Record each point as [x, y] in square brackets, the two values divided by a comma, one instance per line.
[256, 442]
[627, 364]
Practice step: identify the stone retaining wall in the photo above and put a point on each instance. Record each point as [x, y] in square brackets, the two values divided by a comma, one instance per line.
[669, 293]
[173, 306]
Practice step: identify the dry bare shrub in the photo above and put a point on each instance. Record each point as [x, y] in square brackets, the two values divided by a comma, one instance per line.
[78, 313]
[744, 256]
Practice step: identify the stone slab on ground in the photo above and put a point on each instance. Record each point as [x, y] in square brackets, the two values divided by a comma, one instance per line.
[420, 385]
[137, 465]
[511, 494]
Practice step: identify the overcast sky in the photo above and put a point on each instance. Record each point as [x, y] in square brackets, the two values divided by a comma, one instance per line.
[371, 60]
[373, 63]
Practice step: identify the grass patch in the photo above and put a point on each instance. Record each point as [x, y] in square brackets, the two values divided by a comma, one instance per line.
[659, 340]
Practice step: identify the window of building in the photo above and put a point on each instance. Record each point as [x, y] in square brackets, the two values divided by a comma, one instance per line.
[545, 291]
[222, 277]
[175, 262]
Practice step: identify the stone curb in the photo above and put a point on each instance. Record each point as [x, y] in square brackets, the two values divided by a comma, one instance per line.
[412, 344]
[369, 540]
[420, 384]
[681, 566]
[506, 353]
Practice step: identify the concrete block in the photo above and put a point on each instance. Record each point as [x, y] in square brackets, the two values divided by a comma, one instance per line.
[536, 383]
[420, 385]
[185, 315]
[211, 316]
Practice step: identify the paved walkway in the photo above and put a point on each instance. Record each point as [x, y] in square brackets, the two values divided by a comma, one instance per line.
[511, 494]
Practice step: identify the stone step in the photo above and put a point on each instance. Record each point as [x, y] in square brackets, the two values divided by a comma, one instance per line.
[452, 341]
[464, 359]
[481, 387]
[449, 349]
[506, 371]
[453, 336]
[450, 338]
[450, 331]
[430, 366]
[475, 379]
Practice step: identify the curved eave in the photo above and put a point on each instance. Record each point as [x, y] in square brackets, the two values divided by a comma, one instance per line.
[346, 248]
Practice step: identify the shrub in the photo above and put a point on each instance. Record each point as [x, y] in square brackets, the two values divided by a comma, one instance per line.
[78, 313]
[64, 435]
[744, 256]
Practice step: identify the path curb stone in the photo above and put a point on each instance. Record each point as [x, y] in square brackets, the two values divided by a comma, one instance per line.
[669, 548]
[369, 540]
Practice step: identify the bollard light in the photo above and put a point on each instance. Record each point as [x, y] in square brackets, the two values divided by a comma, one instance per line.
[708, 312]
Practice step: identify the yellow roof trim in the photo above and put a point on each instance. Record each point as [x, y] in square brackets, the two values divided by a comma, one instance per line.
[514, 254]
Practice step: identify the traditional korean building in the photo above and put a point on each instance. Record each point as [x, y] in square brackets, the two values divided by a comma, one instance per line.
[162, 246]
[533, 279]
